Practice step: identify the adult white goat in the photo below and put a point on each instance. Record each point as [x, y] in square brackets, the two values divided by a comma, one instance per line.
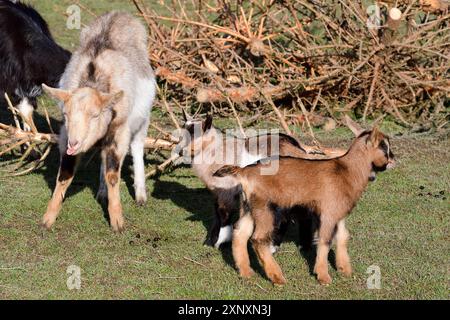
[107, 91]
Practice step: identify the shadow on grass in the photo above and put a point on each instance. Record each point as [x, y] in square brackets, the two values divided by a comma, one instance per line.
[87, 175]
[199, 203]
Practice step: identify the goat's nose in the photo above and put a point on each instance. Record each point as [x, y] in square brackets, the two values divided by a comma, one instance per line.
[391, 163]
[73, 143]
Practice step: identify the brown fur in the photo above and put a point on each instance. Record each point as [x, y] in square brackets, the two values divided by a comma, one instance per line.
[226, 190]
[329, 188]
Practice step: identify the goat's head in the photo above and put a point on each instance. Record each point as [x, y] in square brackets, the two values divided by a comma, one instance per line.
[378, 145]
[196, 134]
[379, 150]
[87, 114]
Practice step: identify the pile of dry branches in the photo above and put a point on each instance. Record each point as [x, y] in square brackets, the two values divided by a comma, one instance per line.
[302, 62]
[305, 60]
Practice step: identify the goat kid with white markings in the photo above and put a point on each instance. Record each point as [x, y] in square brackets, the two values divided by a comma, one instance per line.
[107, 92]
[207, 149]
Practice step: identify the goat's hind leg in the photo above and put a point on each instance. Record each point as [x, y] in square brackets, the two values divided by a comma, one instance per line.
[66, 173]
[342, 258]
[241, 234]
[137, 151]
[225, 206]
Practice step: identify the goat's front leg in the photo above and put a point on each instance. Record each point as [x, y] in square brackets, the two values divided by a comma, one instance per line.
[137, 151]
[326, 230]
[112, 163]
[222, 230]
[66, 173]
[26, 109]
[261, 240]
[342, 258]
[102, 193]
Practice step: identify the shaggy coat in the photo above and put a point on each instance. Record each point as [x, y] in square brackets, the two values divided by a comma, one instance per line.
[28, 56]
[106, 92]
[327, 188]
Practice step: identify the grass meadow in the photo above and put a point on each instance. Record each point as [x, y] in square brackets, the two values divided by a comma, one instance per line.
[401, 225]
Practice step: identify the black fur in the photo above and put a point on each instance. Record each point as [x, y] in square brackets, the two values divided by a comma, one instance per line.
[28, 54]
[112, 161]
[67, 167]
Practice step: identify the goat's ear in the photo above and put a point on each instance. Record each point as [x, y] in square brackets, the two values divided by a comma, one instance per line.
[352, 125]
[186, 116]
[207, 123]
[374, 137]
[110, 100]
[59, 94]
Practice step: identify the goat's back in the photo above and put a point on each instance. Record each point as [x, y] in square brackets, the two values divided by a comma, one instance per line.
[121, 32]
[292, 181]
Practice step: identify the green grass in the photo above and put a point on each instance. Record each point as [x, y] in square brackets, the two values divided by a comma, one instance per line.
[161, 256]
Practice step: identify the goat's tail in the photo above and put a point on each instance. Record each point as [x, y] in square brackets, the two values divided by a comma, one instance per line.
[227, 171]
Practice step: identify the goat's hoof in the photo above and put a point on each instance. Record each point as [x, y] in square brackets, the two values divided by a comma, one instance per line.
[47, 222]
[141, 196]
[118, 229]
[324, 279]
[141, 202]
[44, 225]
[346, 271]
[118, 225]
[246, 273]
[277, 279]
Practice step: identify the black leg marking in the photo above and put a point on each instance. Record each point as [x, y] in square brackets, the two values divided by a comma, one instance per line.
[67, 167]
[112, 167]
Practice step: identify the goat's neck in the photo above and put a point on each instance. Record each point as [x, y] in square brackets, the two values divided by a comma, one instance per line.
[204, 160]
[359, 166]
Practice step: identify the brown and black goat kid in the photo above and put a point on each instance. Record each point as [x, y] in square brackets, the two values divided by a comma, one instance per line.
[327, 188]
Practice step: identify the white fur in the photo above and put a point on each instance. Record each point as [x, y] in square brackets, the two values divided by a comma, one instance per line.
[144, 94]
[274, 248]
[225, 235]
[26, 109]
[245, 158]
[138, 123]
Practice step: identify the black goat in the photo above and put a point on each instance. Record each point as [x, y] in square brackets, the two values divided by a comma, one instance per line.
[28, 56]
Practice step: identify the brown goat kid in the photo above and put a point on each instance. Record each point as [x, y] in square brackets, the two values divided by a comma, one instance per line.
[328, 188]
